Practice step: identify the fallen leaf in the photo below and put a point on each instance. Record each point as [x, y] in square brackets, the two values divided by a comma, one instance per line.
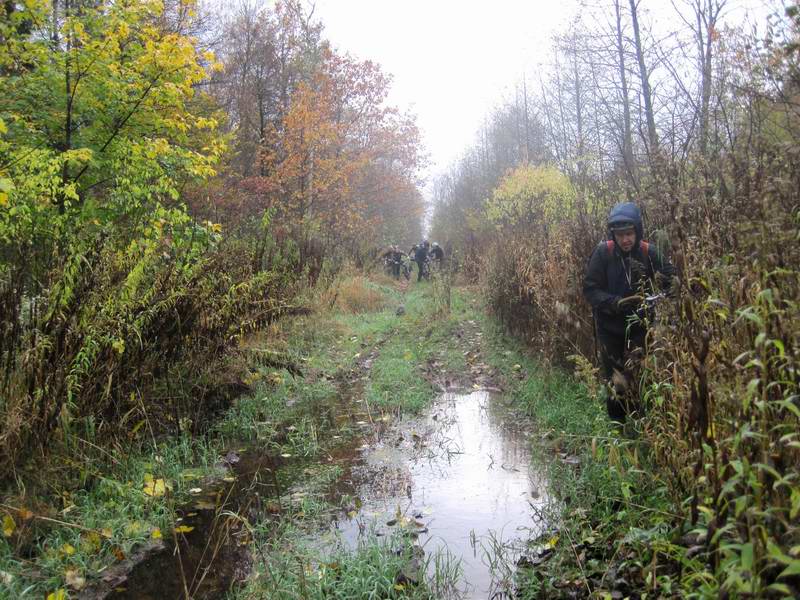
[107, 533]
[57, 595]
[183, 529]
[9, 526]
[154, 487]
[74, 579]
[156, 534]
[68, 549]
[195, 490]
[118, 553]
[91, 541]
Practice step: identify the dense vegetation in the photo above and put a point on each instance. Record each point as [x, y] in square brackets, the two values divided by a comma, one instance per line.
[174, 181]
[701, 132]
[163, 193]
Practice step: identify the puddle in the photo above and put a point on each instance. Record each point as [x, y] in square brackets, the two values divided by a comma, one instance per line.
[461, 479]
[212, 552]
[458, 478]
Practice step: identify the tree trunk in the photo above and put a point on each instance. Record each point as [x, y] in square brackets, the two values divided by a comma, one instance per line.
[627, 137]
[648, 100]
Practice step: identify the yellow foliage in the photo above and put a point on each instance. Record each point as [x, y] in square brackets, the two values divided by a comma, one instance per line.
[9, 526]
[532, 194]
[154, 487]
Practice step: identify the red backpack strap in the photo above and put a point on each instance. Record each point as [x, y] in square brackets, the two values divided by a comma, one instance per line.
[610, 248]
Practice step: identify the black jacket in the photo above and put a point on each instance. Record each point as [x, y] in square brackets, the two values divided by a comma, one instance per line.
[614, 275]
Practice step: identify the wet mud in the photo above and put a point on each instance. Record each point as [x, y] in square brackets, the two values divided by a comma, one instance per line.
[209, 550]
[459, 480]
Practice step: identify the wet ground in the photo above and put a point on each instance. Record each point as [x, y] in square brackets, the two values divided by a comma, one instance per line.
[458, 478]
[209, 549]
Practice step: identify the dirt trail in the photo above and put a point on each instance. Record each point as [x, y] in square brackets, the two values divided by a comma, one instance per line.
[457, 477]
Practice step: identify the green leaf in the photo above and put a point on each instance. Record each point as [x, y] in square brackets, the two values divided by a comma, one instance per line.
[747, 556]
[792, 569]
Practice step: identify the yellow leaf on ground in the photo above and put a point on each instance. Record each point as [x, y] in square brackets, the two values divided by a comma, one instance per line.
[107, 533]
[57, 595]
[91, 541]
[156, 534]
[154, 487]
[183, 529]
[9, 526]
[68, 549]
[74, 579]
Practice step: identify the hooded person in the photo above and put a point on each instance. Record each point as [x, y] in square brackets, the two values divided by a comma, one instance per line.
[421, 258]
[620, 272]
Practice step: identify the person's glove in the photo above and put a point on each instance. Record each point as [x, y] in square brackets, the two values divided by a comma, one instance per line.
[674, 289]
[628, 304]
[638, 270]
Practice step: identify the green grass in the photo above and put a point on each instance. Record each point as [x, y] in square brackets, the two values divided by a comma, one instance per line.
[610, 509]
[111, 513]
[97, 505]
[291, 567]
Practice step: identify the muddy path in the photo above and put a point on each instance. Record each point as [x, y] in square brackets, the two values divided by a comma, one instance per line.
[456, 478]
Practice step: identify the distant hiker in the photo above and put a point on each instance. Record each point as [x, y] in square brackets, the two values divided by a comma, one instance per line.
[621, 271]
[421, 258]
[436, 254]
[393, 259]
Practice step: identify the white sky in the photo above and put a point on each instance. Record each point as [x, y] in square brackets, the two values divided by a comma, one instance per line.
[452, 61]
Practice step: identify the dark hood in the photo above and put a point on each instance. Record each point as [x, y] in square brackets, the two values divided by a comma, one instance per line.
[626, 211]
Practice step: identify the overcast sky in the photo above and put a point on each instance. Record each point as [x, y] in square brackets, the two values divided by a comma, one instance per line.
[452, 60]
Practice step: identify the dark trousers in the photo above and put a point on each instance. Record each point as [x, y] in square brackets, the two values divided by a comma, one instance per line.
[614, 352]
[421, 268]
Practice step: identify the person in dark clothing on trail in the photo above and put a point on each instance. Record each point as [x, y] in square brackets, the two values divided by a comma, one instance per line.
[436, 254]
[421, 258]
[621, 271]
[393, 258]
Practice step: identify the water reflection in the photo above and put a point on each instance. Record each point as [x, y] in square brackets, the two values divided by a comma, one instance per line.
[462, 477]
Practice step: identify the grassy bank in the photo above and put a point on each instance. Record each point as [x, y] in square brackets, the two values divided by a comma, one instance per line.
[90, 507]
[615, 532]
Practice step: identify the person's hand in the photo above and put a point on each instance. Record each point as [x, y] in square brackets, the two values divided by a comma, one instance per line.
[628, 303]
[674, 289]
[638, 270]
